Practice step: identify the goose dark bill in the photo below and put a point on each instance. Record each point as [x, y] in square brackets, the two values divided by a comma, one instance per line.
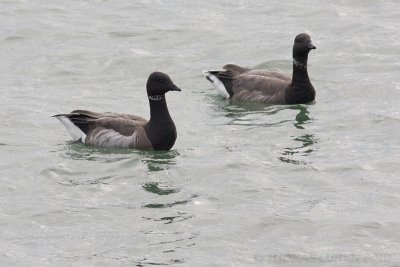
[249, 85]
[124, 130]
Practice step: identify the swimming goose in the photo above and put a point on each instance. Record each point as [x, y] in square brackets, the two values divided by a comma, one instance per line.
[124, 130]
[244, 84]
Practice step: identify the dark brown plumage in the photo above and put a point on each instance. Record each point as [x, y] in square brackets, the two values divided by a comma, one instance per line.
[125, 130]
[244, 84]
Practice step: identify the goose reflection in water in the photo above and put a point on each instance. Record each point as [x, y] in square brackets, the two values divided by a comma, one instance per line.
[307, 140]
[168, 202]
[247, 114]
[159, 160]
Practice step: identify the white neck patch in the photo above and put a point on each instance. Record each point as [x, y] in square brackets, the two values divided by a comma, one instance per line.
[156, 97]
[299, 64]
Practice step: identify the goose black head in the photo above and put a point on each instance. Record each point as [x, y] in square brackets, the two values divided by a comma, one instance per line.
[160, 83]
[302, 46]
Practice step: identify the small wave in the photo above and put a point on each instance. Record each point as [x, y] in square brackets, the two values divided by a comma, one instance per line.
[13, 38]
[180, 217]
[96, 181]
[123, 34]
[140, 52]
[169, 205]
[158, 189]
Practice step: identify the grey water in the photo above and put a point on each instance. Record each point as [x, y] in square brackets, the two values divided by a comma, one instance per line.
[245, 184]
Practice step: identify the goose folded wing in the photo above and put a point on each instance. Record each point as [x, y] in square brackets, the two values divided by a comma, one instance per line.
[118, 132]
[267, 86]
[123, 126]
[98, 115]
[270, 74]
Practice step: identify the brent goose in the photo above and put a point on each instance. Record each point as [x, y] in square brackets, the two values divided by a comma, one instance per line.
[244, 84]
[124, 130]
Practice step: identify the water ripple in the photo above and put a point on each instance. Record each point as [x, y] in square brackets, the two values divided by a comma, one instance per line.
[169, 205]
[159, 189]
[180, 217]
[95, 181]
